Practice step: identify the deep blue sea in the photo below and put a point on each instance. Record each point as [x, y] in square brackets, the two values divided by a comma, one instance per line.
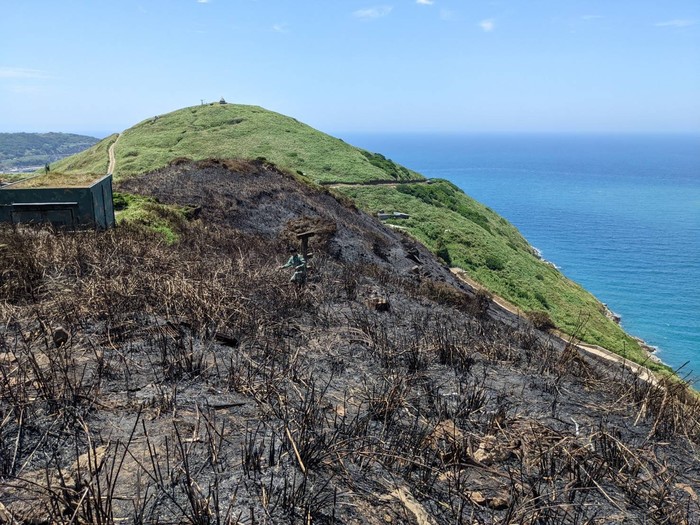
[619, 214]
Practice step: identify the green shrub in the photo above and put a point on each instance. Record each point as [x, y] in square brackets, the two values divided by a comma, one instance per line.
[494, 263]
[542, 300]
[388, 166]
[442, 252]
[444, 194]
[146, 213]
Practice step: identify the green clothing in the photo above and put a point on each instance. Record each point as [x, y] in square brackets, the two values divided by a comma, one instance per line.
[294, 261]
[297, 262]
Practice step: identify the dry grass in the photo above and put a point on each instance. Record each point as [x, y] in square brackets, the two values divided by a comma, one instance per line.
[58, 180]
[196, 385]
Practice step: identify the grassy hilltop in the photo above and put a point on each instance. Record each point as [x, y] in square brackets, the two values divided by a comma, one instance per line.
[235, 131]
[461, 231]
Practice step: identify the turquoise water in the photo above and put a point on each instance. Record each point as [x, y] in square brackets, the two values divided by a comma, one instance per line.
[618, 214]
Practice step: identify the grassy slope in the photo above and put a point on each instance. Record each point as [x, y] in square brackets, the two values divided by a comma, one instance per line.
[94, 160]
[7, 178]
[494, 253]
[491, 250]
[231, 131]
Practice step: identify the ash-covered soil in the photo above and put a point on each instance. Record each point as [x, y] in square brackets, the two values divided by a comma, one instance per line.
[256, 199]
[193, 383]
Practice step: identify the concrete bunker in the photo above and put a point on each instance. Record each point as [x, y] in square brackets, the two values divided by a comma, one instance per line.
[64, 201]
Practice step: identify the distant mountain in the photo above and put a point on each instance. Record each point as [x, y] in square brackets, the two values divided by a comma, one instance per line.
[26, 152]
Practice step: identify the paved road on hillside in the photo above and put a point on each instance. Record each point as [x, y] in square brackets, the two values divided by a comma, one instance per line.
[112, 158]
[597, 352]
[392, 183]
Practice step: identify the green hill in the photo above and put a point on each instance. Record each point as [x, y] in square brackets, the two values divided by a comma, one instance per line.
[462, 231]
[235, 131]
[27, 151]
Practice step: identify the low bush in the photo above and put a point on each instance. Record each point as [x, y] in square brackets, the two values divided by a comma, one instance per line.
[494, 263]
[443, 253]
[541, 320]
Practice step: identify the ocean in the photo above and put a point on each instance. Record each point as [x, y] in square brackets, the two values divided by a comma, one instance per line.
[619, 214]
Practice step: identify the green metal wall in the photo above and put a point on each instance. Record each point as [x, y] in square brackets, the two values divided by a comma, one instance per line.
[72, 208]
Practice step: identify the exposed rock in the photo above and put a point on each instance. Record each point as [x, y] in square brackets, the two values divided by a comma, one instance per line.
[688, 490]
[446, 439]
[404, 496]
[498, 502]
[490, 451]
[616, 318]
[380, 304]
[477, 497]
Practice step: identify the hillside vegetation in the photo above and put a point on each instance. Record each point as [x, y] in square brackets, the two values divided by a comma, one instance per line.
[235, 131]
[472, 237]
[464, 232]
[26, 151]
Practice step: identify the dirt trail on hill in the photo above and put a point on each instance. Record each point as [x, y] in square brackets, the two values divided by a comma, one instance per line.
[594, 351]
[112, 158]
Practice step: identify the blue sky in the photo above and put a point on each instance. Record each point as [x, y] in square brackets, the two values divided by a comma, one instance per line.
[96, 66]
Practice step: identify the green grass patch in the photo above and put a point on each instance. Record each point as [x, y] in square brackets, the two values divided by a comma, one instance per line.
[145, 212]
[92, 160]
[389, 167]
[444, 194]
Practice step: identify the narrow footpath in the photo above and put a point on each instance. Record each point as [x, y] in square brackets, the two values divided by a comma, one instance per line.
[112, 158]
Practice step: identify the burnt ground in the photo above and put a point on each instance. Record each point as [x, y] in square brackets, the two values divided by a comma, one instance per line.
[256, 199]
[192, 383]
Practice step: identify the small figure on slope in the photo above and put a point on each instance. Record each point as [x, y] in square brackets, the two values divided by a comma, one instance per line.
[297, 262]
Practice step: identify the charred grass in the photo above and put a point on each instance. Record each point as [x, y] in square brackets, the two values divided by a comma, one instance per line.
[192, 383]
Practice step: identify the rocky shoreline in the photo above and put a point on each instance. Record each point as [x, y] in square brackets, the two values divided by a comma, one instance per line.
[649, 349]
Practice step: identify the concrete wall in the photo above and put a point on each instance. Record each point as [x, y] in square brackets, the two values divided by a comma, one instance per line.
[72, 208]
[103, 203]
